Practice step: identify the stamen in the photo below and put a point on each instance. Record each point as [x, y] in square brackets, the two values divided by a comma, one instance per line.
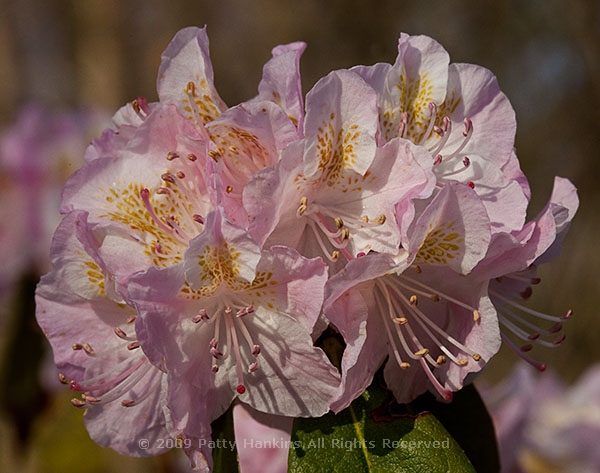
[440, 294]
[105, 385]
[78, 403]
[145, 195]
[403, 125]
[432, 116]
[426, 324]
[149, 388]
[535, 313]
[445, 393]
[303, 206]
[88, 349]
[122, 335]
[444, 132]
[241, 389]
[201, 315]
[536, 364]
[466, 164]
[467, 133]
[63, 379]
[392, 345]
[331, 257]
[140, 107]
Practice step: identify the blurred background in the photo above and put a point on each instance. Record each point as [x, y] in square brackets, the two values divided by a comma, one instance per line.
[74, 56]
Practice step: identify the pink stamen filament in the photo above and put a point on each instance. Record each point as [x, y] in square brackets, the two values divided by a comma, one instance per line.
[246, 334]
[518, 332]
[106, 385]
[332, 236]
[445, 134]
[172, 222]
[317, 234]
[322, 222]
[525, 279]
[523, 308]
[460, 169]
[351, 221]
[145, 195]
[426, 322]
[423, 360]
[236, 349]
[467, 133]
[432, 117]
[121, 389]
[515, 348]
[150, 387]
[392, 312]
[507, 313]
[186, 187]
[436, 293]
[389, 333]
[422, 317]
[445, 393]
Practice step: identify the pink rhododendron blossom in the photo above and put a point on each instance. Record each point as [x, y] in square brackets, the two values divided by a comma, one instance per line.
[511, 267]
[234, 321]
[459, 115]
[90, 328]
[439, 328]
[149, 199]
[334, 192]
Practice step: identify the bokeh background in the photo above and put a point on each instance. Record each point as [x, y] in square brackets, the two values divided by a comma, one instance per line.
[73, 54]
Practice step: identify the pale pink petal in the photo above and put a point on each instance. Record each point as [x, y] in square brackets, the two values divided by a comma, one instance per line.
[474, 93]
[185, 77]
[281, 81]
[226, 243]
[453, 230]
[418, 78]
[122, 391]
[346, 308]
[247, 138]
[340, 126]
[262, 440]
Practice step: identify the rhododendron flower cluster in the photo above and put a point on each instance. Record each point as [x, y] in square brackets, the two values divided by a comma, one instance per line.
[205, 248]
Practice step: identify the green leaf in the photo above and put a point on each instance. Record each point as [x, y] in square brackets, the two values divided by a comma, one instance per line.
[224, 456]
[370, 436]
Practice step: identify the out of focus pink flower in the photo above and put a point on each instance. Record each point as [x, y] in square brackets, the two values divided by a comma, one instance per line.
[544, 426]
[37, 154]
